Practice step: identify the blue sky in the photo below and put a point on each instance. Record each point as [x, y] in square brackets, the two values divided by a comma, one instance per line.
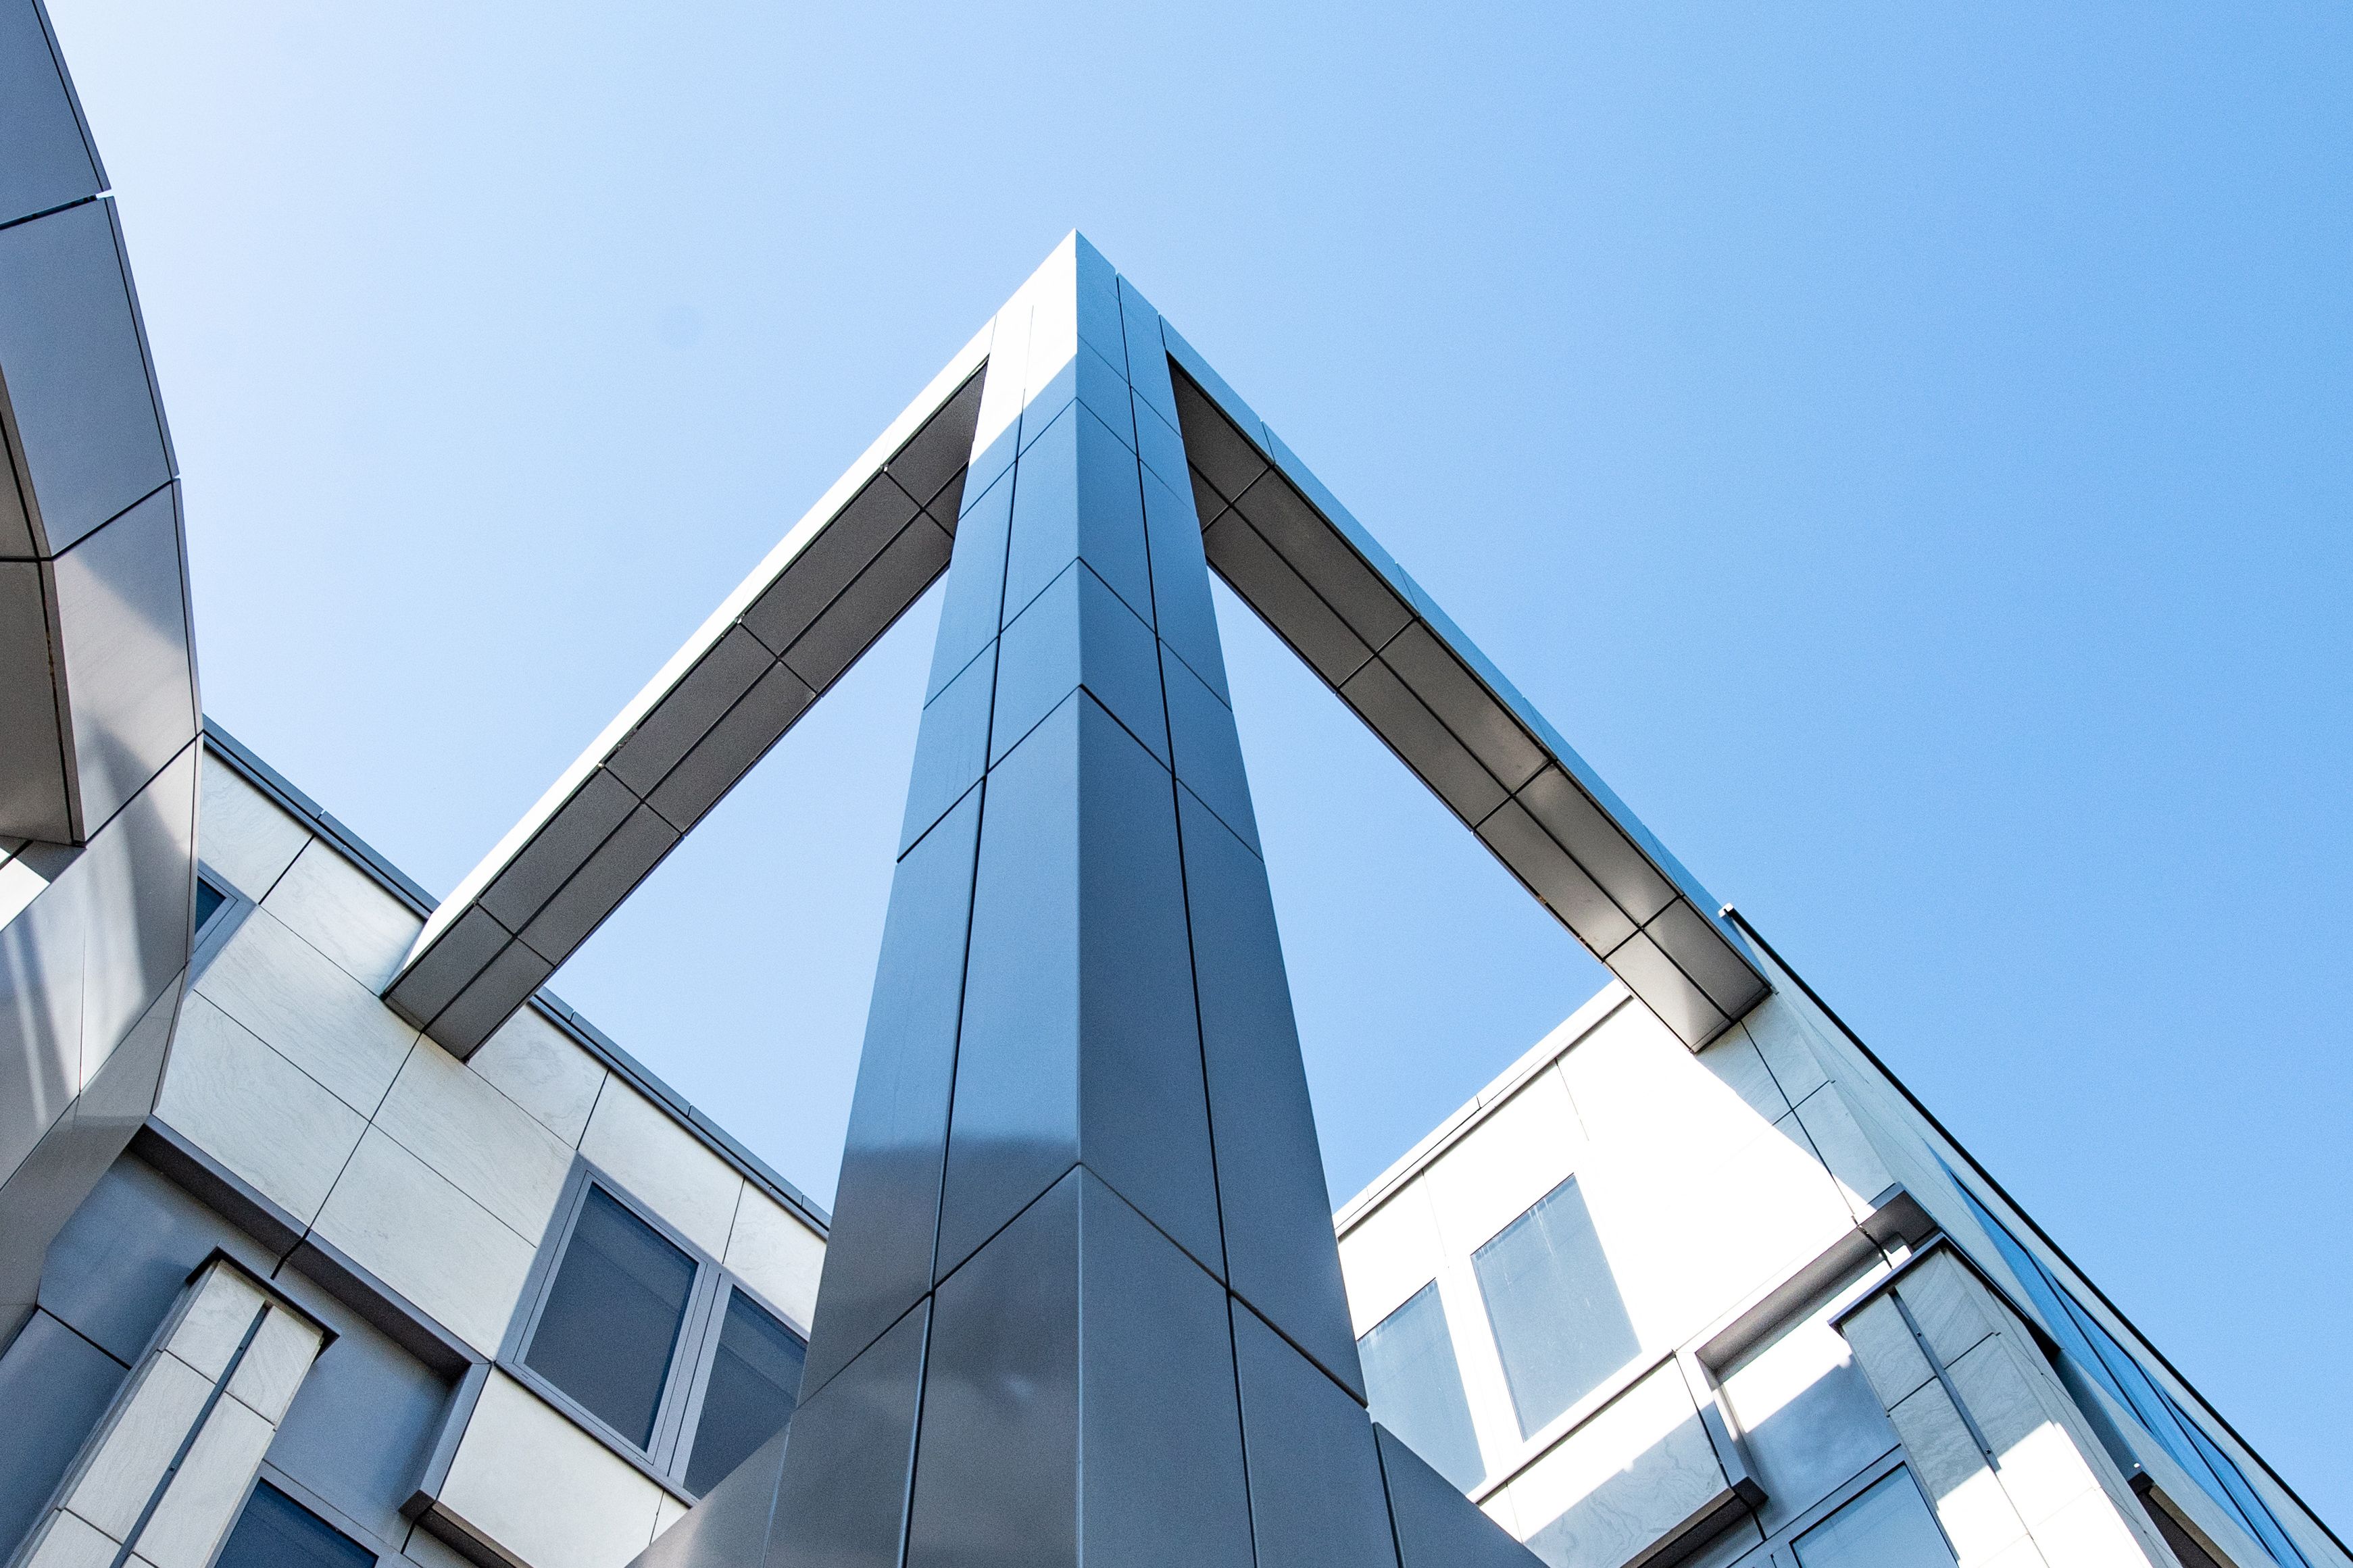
[1907, 448]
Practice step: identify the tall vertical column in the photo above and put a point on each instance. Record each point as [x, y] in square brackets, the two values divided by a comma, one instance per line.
[1082, 1298]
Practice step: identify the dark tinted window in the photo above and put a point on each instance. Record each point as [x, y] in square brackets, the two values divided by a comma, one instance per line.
[1417, 1389]
[611, 1320]
[276, 1531]
[209, 900]
[754, 1381]
[1558, 1320]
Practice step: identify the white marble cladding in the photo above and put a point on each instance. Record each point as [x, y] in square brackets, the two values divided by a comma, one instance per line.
[165, 1473]
[437, 1176]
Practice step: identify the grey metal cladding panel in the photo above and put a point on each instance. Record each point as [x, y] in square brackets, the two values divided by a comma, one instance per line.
[1078, 632]
[1268, 585]
[869, 521]
[1599, 846]
[49, 162]
[997, 1472]
[1148, 356]
[729, 1528]
[556, 852]
[596, 889]
[141, 868]
[740, 738]
[1209, 748]
[1326, 561]
[1045, 537]
[1159, 444]
[843, 1499]
[1015, 1123]
[130, 678]
[1466, 707]
[42, 955]
[951, 748]
[688, 710]
[1437, 1527]
[934, 456]
[1078, 493]
[1667, 991]
[947, 507]
[1208, 504]
[1228, 459]
[878, 1258]
[488, 1000]
[34, 791]
[1098, 305]
[76, 369]
[54, 1385]
[1143, 1113]
[1316, 1499]
[1429, 748]
[972, 604]
[1161, 1449]
[1701, 952]
[1574, 898]
[870, 604]
[1276, 1210]
[1188, 617]
[460, 954]
[1102, 391]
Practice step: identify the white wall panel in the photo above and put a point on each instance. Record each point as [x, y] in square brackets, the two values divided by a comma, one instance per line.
[777, 1255]
[663, 1164]
[344, 913]
[254, 1110]
[395, 1216]
[538, 1067]
[543, 1489]
[242, 834]
[311, 1012]
[482, 1141]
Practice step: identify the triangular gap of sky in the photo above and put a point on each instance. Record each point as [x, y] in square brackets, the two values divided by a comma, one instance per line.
[742, 971]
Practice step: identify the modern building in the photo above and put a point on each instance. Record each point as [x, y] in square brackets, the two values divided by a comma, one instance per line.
[334, 1238]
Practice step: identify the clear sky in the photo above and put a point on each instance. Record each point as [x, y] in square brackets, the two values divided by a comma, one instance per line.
[1906, 448]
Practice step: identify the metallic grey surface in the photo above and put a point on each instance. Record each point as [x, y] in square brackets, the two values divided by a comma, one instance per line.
[727, 751]
[858, 534]
[729, 1527]
[842, 1502]
[79, 401]
[970, 606]
[1316, 1500]
[50, 161]
[1078, 632]
[1437, 1526]
[713, 686]
[878, 1259]
[996, 1477]
[130, 674]
[1269, 1167]
[36, 792]
[951, 747]
[1187, 617]
[1078, 494]
[54, 1385]
[870, 604]
[1209, 749]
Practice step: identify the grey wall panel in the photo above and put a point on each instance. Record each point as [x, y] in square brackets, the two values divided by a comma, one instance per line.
[41, 958]
[50, 161]
[997, 1472]
[886, 590]
[1270, 1167]
[1078, 632]
[857, 535]
[741, 737]
[842, 1502]
[55, 1385]
[360, 1429]
[729, 1528]
[1209, 749]
[141, 868]
[878, 1259]
[1316, 1500]
[78, 397]
[35, 778]
[129, 671]
[1181, 605]
[951, 747]
[1437, 1526]
[1079, 494]
[973, 601]
[1161, 1454]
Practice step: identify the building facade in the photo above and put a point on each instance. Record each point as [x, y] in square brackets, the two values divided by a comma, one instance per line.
[330, 1238]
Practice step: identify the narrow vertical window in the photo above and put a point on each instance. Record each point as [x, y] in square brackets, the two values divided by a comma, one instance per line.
[1417, 1389]
[755, 1380]
[610, 1323]
[1559, 1323]
[276, 1531]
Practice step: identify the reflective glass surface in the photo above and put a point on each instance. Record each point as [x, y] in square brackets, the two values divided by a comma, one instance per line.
[612, 1316]
[1417, 1390]
[276, 1531]
[1886, 1527]
[754, 1381]
[1558, 1320]
[209, 900]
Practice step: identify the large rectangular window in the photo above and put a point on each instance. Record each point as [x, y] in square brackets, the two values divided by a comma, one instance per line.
[1559, 1323]
[1417, 1388]
[755, 1380]
[1887, 1526]
[609, 1326]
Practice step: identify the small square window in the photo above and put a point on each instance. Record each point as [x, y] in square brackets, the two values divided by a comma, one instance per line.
[276, 1531]
[755, 1381]
[210, 901]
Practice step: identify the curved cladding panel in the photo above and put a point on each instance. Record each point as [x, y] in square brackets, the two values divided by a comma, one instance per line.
[849, 569]
[1329, 590]
[97, 692]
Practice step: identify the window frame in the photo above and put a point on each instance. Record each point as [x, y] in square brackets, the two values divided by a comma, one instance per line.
[206, 940]
[678, 1414]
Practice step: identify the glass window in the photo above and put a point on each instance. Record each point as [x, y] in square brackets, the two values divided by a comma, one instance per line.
[610, 1322]
[210, 900]
[276, 1531]
[755, 1379]
[1558, 1320]
[1887, 1526]
[1417, 1389]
